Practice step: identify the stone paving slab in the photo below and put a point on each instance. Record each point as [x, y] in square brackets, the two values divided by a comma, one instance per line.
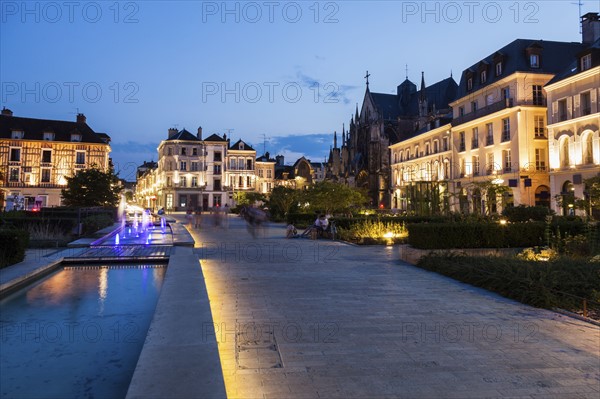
[355, 321]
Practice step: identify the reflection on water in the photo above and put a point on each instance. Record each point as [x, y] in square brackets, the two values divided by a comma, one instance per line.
[76, 333]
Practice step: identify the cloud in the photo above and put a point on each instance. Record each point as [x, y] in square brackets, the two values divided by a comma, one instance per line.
[326, 91]
[312, 146]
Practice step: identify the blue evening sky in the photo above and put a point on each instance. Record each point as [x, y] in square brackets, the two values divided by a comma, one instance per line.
[288, 71]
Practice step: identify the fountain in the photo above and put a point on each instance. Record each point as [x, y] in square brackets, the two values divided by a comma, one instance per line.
[117, 239]
[162, 225]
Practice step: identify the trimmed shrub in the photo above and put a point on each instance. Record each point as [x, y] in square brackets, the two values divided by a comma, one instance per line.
[524, 213]
[91, 224]
[13, 243]
[544, 284]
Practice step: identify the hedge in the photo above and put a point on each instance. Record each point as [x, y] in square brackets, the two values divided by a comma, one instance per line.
[92, 224]
[542, 284]
[13, 243]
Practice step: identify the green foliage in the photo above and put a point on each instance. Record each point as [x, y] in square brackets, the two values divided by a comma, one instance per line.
[13, 243]
[92, 187]
[374, 230]
[91, 224]
[330, 198]
[46, 234]
[282, 201]
[524, 213]
[248, 198]
[539, 284]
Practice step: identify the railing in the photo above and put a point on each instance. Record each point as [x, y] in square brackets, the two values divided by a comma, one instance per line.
[489, 109]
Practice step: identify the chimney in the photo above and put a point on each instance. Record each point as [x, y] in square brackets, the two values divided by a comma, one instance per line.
[267, 155]
[279, 160]
[172, 132]
[199, 135]
[6, 111]
[590, 27]
[81, 118]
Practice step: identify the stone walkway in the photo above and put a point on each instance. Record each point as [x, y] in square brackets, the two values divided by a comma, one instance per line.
[321, 319]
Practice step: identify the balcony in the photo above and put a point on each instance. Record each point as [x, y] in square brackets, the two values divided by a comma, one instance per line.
[481, 112]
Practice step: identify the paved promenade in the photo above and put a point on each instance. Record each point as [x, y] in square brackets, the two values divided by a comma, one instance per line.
[320, 319]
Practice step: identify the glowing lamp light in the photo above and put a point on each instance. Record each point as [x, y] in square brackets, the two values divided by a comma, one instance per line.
[503, 222]
[389, 234]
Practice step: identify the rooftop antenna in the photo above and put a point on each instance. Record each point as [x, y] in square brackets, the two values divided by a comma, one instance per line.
[580, 4]
[265, 138]
[406, 69]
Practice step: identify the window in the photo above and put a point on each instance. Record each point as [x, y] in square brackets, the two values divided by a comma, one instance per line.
[534, 61]
[475, 141]
[506, 93]
[540, 159]
[194, 151]
[489, 138]
[80, 158]
[490, 163]
[269, 174]
[15, 155]
[483, 76]
[194, 167]
[217, 169]
[475, 162]
[217, 156]
[241, 164]
[506, 129]
[586, 104]
[445, 143]
[469, 83]
[461, 141]
[463, 167]
[168, 181]
[169, 201]
[45, 175]
[249, 164]
[46, 156]
[17, 134]
[13, 174]
[169, 151]
[426, 148]
[562, 110]
[539, 126]
[507, 161]
[248, 181]
[183, 165]
[498, 68]
[588, 152]
[183, 151]
[75, 137]
[48, 136]
[435, 147]
[260, 173]
[446, 170]
[474, 106]
[461, 111]
[182, 181]
[538, 95]
[240, 181]
[586, 62]
[564, 152]
[217, 185]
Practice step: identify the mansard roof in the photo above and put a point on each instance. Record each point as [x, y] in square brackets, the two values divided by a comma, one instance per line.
[184, 135]
[215, 137]
[34, 129]
[554, 58]
[575, 66]
[241, 145]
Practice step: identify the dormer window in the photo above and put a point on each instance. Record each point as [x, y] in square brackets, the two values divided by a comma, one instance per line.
[75, 137]
[17, 134]
[483, 76]
[241, 146]
[498, 68]
[48, 136]
[534, 60]
[470, 84]
[586, 62]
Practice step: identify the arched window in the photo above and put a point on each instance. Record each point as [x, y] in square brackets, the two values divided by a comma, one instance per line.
[587, 149]
[564, 152]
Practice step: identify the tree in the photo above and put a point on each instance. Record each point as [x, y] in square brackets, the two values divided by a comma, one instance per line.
[92, 187]
[282, 201]
[248, 197]
[331, 197]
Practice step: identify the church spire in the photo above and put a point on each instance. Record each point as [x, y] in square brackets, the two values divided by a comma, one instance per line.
[335, 139]
[423, 86]
[356, 115]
